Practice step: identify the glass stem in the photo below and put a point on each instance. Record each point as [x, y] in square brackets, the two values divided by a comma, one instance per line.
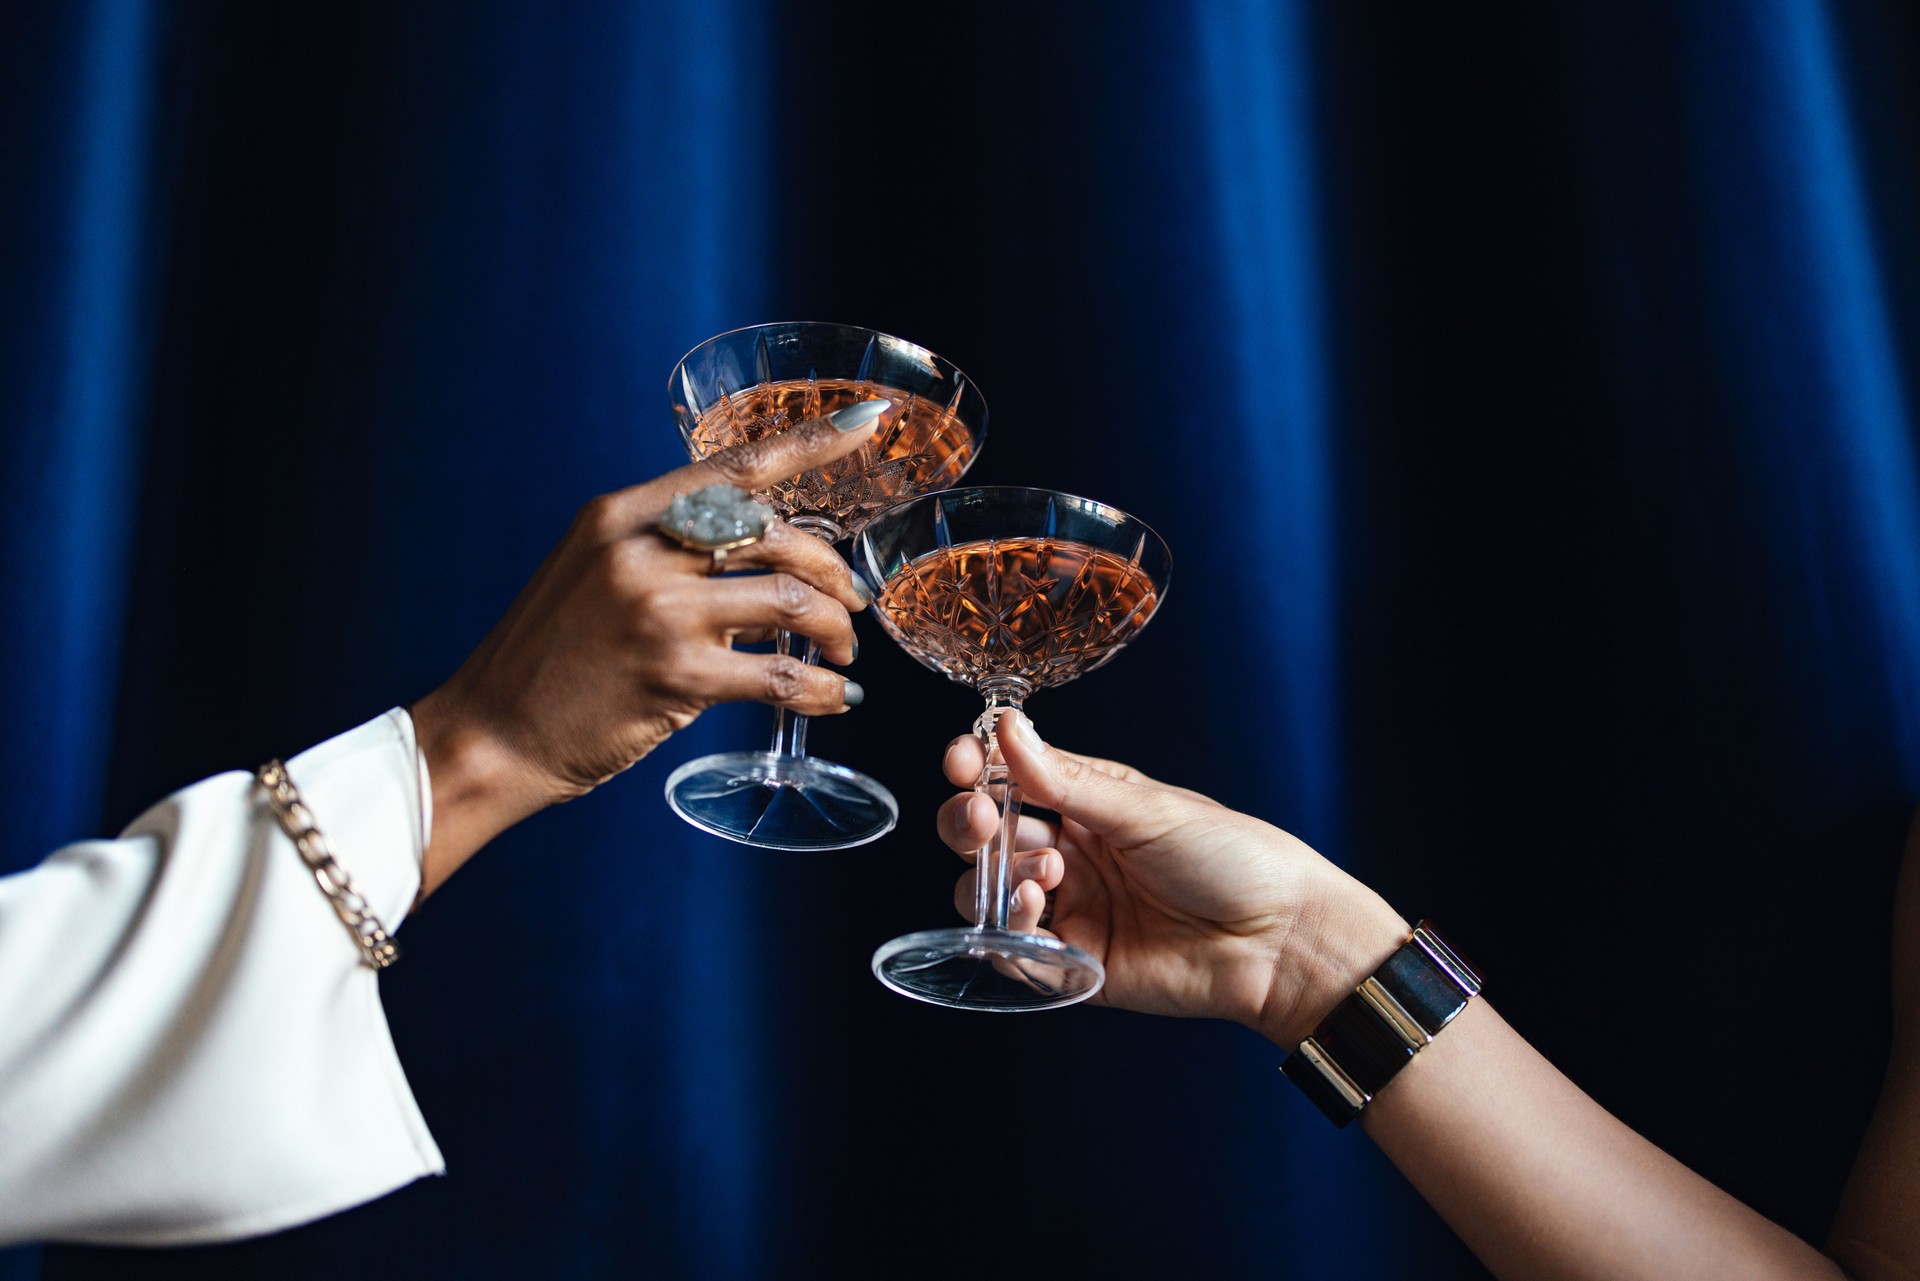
[790, 728]
[993, 886]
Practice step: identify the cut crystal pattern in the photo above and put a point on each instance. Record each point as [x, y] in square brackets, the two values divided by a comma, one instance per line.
[1042, 609]
[920, 446]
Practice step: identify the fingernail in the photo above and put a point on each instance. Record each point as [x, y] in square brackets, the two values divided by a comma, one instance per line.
[860, 590]
[1017, 724]
[854, 417]
[856, 649]
[854, 694]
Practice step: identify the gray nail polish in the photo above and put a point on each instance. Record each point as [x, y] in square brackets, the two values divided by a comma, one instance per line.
[860, 590]
[856, 648]
[854, 417]
[854, 694]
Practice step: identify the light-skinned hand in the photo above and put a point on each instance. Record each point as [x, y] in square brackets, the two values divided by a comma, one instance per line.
[1194, 909]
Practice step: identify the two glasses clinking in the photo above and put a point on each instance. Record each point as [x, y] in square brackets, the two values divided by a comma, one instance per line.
[1004, 589]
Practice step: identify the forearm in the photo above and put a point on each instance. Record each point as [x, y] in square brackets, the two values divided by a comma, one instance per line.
[1538, 1179]
[479, 788]
[1200, 910]
[1543, 1183]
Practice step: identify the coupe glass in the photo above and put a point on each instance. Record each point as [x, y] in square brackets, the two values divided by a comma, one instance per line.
[763, 379]
[1006, 590]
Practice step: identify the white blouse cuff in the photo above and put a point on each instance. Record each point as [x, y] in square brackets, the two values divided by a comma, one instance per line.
[192, 1049]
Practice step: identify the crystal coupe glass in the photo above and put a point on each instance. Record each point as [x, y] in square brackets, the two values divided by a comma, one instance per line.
[1006, 590]
[763, 379]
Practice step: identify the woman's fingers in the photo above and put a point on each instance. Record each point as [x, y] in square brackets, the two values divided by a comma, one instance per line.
[1026, 907]
[966, 756]
[727, 675]
[1126, 812]
[969, 820]
[1045, 868]
[1035, 874]
[752, 465]
[756, 464]
[785, 549]
[965, 822]
[736, 605]
[811, 560]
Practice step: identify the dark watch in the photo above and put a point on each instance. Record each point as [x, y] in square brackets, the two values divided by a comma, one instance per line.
[1370, 1036]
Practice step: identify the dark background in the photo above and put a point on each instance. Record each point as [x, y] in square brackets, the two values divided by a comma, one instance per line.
[1525, 391]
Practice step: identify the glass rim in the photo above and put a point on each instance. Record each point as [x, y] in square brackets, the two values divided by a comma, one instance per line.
[899, 510]
[932, 355]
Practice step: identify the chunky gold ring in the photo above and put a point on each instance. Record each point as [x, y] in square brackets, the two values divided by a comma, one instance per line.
[716, 520]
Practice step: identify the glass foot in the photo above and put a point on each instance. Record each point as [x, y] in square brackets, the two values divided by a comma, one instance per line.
[781, 802]
[987, 969]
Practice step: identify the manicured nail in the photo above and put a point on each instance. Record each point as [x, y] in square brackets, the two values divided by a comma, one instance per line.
[860, 590]
[1017, 724]
[854, 417]
[856, 649]
[854, 694]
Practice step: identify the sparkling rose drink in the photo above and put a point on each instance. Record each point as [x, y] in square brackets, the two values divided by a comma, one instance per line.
[755, 382]
[921, 446]
[1008, 591]
[1038, 610]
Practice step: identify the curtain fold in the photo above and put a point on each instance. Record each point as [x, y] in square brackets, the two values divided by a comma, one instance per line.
[78, 275]
[1268, 566]
[77, 272]
[1809, 352]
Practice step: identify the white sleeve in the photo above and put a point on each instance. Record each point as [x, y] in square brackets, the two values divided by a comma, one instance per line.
[190, 1048]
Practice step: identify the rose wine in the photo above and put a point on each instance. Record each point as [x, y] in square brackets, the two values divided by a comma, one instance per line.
[1037, 608]
[920, 446]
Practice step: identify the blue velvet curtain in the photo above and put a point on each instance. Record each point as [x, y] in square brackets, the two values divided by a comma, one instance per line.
[1525, 393]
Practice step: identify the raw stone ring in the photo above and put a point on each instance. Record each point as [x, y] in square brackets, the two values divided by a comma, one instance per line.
[716, 520]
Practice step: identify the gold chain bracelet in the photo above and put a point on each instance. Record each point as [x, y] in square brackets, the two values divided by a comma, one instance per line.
[296, 820]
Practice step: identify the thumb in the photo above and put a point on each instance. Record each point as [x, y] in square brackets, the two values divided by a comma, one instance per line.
[1126, 812]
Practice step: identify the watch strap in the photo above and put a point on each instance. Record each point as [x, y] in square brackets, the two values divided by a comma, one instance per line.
[1389, 1018]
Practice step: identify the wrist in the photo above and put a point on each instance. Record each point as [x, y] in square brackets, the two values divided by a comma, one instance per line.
[1343, 933]
[480, 786]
